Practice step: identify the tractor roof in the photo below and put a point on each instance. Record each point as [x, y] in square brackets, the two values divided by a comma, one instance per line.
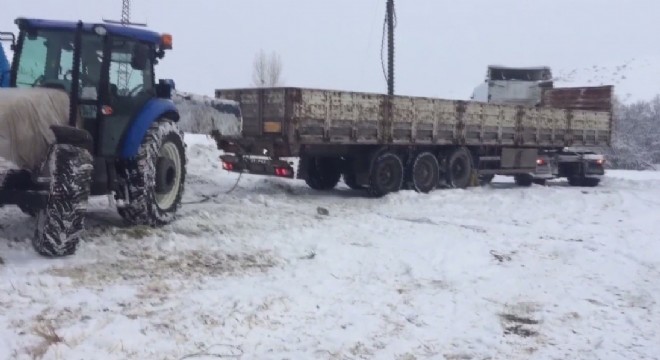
[115, 29]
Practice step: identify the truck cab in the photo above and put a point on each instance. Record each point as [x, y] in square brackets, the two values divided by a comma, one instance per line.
[514, 86]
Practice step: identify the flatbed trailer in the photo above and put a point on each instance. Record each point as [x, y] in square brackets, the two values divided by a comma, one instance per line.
[385, 143]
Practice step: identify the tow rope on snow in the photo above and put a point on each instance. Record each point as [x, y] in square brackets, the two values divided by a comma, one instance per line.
[207, 198]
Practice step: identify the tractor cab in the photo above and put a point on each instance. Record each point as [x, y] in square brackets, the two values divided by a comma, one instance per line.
[101, 77]
[114, 80]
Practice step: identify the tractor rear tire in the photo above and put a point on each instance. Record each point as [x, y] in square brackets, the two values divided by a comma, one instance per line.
[61, 222]
[155, 178]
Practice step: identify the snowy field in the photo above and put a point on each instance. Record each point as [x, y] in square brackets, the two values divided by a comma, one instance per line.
[498, 272]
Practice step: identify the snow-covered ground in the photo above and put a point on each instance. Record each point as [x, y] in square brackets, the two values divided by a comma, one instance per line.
[498, 272]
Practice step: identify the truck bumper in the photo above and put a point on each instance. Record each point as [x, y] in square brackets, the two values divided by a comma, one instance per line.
[257, 166]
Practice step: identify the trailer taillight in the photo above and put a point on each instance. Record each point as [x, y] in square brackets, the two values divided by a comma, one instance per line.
[227, 166]
[540, 162]
[282, 171]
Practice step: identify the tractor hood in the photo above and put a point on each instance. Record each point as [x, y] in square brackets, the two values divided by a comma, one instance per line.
[25, 119]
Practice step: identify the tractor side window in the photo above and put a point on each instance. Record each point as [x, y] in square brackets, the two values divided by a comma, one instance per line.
[32, 63]
[131, 75]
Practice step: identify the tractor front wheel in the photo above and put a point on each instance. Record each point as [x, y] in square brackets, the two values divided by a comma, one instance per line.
[155, 178]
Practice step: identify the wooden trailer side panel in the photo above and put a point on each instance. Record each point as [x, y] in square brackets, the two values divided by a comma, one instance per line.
[296, 116]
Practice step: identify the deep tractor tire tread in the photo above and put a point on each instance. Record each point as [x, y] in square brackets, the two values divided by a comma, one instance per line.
[142, 208]
[425, 185]
[322, 173]
[61, 222]
[376, 187]
[463, 181]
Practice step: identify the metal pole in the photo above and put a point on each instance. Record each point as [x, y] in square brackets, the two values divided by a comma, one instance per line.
[390, 39]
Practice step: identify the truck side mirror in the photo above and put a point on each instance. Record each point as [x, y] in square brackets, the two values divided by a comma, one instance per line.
[164, 88]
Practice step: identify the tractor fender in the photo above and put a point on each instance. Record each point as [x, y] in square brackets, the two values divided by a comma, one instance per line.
[153, 110]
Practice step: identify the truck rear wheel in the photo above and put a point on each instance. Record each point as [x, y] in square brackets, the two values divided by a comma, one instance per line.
[155, 178]
[523, 179]
[485, 179]
[459, 168]
[425, 172]
[322, 173]
[386, 174]
[61, 222]
[350, 179]
[583, 181]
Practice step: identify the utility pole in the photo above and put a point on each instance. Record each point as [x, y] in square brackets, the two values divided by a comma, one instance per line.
[390, 47]
[122, 73]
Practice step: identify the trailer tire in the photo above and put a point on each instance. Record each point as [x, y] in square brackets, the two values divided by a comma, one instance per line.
[459, 168]
[583, 181]
[155, 178]
[485, 179]
[542, 182]
[350, 179]
[323, 173]
[386, 174]
[61, 222]
[523, 180]
[425, 172]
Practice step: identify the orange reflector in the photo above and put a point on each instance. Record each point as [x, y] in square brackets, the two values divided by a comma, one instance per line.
[166, 41]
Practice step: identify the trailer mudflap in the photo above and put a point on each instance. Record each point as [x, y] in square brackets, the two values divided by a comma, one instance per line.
[257, 166]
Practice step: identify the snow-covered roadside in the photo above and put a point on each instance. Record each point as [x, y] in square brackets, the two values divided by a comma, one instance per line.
[498, 272]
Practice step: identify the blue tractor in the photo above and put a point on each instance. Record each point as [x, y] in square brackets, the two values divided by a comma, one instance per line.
[114, 134]
[5, 69]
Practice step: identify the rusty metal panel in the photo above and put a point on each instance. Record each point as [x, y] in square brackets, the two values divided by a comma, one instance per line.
[342, 117]
[597, 98]
[445, 122]
[307, 116]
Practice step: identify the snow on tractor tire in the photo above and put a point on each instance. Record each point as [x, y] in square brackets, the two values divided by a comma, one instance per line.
[156, 177]
[61, 222]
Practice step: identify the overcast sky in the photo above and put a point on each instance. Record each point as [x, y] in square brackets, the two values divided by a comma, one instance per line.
[443, 46]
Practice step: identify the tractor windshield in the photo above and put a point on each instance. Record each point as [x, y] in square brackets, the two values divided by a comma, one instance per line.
[46, 59]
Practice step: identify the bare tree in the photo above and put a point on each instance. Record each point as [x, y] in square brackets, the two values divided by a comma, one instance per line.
[267, 71]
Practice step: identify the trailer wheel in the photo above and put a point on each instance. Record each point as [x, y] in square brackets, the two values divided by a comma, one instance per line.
[523, 180]
[61, 222]
[542, 182]
[386, 174]
[155, 178]
[459, 168]
[322, 173]
[425, 172]
[583, 181]
[350, 179]
[486, 179]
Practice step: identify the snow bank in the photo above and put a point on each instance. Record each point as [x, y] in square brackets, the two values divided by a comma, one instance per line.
[499, 272]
